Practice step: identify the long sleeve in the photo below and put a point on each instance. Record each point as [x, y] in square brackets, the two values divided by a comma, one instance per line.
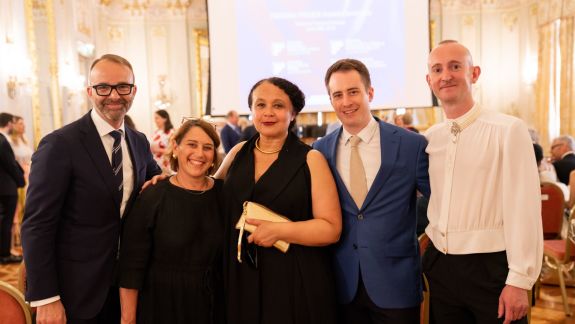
[50, 178]
[521, 208]
[137, 238]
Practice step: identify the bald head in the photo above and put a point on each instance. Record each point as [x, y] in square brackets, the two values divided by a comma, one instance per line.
[453, 45]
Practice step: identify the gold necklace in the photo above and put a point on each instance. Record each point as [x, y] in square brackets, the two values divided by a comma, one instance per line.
[199, 192]
[265, 152]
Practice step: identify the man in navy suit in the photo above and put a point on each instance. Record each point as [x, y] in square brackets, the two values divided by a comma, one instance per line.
[377, 259]
[11, 178]
[230, 134]
[76, 199]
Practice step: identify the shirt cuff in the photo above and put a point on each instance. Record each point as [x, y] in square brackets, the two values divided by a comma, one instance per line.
[520, 281]
[38, 303]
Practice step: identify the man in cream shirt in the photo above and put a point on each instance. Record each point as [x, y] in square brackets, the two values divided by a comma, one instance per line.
[485, 206]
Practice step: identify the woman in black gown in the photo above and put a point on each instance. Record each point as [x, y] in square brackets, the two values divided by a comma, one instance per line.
[278, 171]
[171, 248]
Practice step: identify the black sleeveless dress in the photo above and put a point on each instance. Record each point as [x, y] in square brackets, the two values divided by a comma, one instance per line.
[295, 287]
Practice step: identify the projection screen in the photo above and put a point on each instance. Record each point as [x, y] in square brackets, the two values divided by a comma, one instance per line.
[299, 39]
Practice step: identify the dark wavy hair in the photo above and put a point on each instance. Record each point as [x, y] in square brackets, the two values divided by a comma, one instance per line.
[296, 96]
[168, 124]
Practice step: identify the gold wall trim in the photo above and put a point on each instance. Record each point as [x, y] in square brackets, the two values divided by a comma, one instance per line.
[201, 38]
[33, 54]
[54, 80]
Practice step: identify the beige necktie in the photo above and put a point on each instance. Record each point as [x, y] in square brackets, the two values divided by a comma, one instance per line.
[357, 181]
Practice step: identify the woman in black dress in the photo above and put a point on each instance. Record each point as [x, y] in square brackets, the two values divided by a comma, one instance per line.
[171, 248]
[278, 171]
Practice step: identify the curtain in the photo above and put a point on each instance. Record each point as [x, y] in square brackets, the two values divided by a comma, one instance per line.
[567, 98]
[545, 76]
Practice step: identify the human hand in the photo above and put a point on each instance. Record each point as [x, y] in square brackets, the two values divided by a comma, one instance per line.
[266, 233]
[52, 313]
[513, 303]
[153, 181]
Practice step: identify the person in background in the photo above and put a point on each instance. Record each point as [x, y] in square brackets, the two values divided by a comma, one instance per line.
[407, 120]
[11, 178]
[378, 169]
[161, 139]
[484, 212]
[275, 169]
[171, 256]
[231, 132]
[84, 177]
[23, 153]
[563, 157]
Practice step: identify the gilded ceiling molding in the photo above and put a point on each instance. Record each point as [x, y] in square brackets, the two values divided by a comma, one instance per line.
[33, 54]
[54, 79]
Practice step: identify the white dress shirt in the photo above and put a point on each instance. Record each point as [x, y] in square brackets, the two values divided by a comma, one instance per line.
[369, 150]
[485, 194]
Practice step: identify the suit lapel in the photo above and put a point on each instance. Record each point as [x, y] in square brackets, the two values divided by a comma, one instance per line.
[95, 149]
[131, 143]
[389, 143]
[332, 159]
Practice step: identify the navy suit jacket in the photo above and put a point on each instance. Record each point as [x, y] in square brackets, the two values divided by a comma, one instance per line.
[380, 237]
[11, 173]
[72, 220]
[229, 137]
[564, 167]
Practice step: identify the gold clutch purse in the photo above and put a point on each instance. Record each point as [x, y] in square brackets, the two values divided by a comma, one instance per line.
[257, 211]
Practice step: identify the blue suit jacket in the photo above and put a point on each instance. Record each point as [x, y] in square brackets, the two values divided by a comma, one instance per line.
[72, 220]
[379, 239]
[229, 137]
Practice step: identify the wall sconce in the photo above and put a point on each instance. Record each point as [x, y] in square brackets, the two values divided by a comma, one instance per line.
[11, 86]
[163, 101]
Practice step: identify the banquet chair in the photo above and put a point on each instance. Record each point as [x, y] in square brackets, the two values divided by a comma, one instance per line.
[424, 312]
[559, 256]
[14, 310]
[552, 210]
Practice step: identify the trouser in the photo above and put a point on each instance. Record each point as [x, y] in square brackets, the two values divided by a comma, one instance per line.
[363, 310]
[7, 209]
[109, 314]
[465, 288]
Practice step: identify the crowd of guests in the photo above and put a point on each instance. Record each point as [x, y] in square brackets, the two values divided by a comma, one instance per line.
[100, 250]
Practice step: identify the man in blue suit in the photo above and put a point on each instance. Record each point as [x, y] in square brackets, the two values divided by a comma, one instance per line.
[231, 134]
[377, 261]
[84, 178]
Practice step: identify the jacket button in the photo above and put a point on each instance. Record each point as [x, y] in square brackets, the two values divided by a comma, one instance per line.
[355, 246]
[360, 216]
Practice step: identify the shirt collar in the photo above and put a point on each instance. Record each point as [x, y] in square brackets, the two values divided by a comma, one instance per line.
[567, 153]
[102, 126]
[366, 134]
[459, 124]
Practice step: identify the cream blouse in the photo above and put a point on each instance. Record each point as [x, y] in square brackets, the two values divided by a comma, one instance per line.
[485, 194]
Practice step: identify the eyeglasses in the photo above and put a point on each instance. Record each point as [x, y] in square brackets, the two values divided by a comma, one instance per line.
[556, 146]
[106, 89]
